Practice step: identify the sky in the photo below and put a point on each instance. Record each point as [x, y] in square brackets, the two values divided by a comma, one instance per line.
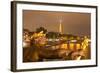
[72, 22]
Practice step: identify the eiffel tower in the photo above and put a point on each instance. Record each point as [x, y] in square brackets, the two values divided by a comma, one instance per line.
[60, 27]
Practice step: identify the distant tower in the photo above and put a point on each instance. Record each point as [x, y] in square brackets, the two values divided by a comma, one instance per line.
[60, 27]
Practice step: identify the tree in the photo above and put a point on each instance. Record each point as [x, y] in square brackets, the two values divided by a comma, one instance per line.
[41, 29]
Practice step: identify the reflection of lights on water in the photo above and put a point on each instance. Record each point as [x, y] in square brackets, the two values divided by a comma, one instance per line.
[78, 46]
[65, 46]
[71, 46]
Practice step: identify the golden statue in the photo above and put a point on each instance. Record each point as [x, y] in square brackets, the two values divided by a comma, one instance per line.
[85, 43]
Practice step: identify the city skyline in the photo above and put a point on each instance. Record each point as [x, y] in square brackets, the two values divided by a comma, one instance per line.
[71, 22]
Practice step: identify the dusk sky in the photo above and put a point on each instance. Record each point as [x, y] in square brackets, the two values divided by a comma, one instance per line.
[72, 23]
